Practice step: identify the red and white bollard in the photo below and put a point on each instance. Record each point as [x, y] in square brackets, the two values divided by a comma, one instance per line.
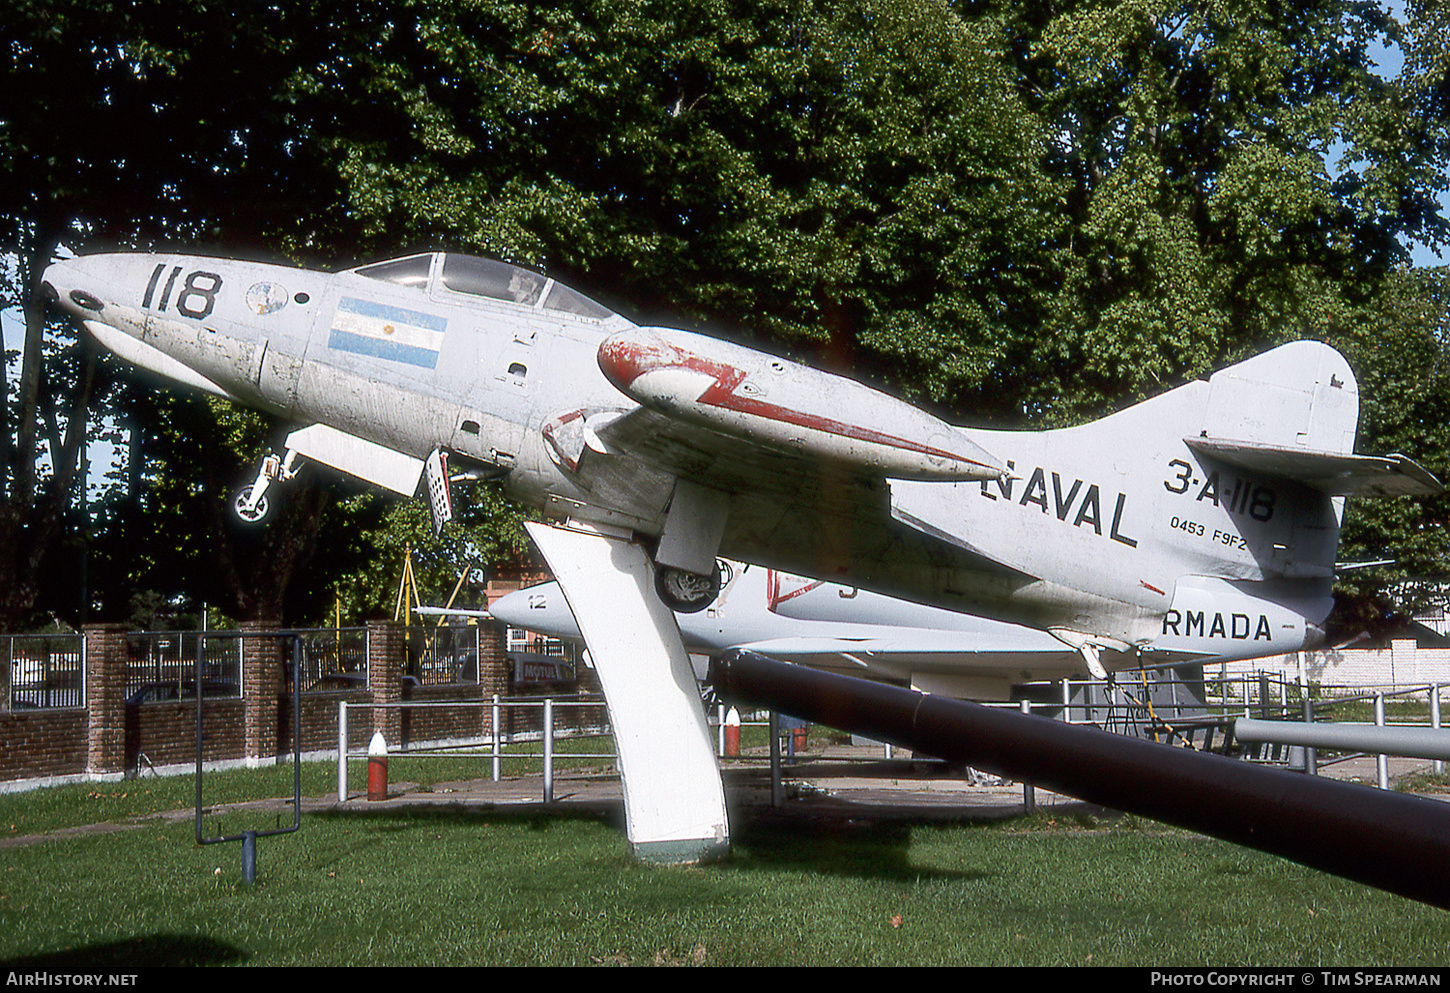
[377, 767]
[732, 734]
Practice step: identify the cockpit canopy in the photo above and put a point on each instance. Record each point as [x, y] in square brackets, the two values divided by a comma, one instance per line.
[485, 278]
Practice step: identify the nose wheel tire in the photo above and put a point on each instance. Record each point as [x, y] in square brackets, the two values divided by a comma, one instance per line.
[257, 514]
[686, 592]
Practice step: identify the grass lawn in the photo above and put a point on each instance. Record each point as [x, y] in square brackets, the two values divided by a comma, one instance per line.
[433, 887]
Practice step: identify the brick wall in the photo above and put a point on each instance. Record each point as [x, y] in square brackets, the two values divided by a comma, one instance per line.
[387, 650]
[42, 743]
[106, 738]
[442, 723]
[106, 699]
[263, 681]
[319, 721]
[164, 733]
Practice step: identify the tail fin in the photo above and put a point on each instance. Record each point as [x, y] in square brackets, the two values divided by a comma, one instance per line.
[1300, 396]
[1231, 479]
[1292, 414]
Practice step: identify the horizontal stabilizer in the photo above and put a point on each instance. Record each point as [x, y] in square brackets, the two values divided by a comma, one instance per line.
[1329, 472]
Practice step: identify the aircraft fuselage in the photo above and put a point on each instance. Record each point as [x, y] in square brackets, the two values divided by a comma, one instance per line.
[1116, 531]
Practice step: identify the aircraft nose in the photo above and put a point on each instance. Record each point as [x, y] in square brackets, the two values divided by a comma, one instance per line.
[511, 608]
[85, 286]
[537, 608]
[66, 284]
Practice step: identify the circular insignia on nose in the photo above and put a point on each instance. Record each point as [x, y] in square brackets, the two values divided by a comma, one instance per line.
[266, 298]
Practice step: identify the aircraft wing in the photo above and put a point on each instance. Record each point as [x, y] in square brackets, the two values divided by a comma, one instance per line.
[769, 487]
[981, 661]
[926, 650]
[914, 650]
[721, 461]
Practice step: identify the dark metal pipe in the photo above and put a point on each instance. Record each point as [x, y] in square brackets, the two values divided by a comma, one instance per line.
[1420, 742]
[1390, 841]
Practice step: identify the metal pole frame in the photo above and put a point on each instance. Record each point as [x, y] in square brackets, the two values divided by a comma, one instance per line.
[1381, 761]
[249, 838]
[497, 739]
[548, 749]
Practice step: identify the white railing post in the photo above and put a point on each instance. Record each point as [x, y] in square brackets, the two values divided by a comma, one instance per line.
[341, 750]
[1029, 794]
[1311, 756]
[548, 749]
[776, 792]
[1439, 765]
[1382, 762]
[497, 739]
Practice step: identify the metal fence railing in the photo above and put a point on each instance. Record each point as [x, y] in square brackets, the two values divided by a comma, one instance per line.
[528, 720]
[46, 670]
[162, 666]
[49, 670]
[439, 654]
[334, 659]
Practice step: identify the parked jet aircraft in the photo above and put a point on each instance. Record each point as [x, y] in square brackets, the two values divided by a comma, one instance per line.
[1209, 512]
[859, 633]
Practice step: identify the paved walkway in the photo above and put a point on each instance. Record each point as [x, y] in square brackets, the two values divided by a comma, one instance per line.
[842, 780]
[848, 780]
[853, 782]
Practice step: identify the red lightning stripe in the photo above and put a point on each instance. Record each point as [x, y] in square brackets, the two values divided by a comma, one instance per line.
[626, 362]
[773, 595]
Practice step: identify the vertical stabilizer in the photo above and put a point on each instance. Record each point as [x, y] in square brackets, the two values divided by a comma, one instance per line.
[1239, 479]
[1300, 396]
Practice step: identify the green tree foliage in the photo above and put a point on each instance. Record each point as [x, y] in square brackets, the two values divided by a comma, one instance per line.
[487, 532]
[1401, 351]
[1241, 176]
[859, 183]
[1029, 213]
[1023, 213]
[173, 531]
[123, 125]
[917, 188]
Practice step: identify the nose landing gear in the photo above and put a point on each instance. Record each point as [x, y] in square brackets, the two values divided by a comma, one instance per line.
[250, 503]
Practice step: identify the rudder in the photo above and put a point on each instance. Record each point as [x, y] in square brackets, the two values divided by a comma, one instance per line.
[1298, 396]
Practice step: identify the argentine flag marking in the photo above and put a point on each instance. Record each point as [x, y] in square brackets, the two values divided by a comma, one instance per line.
[386, 332]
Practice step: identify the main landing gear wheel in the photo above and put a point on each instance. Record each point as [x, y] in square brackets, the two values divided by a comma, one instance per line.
[255, 515]
[686, 592]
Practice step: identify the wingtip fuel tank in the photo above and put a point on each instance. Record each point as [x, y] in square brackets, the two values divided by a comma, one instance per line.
[749, 394]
